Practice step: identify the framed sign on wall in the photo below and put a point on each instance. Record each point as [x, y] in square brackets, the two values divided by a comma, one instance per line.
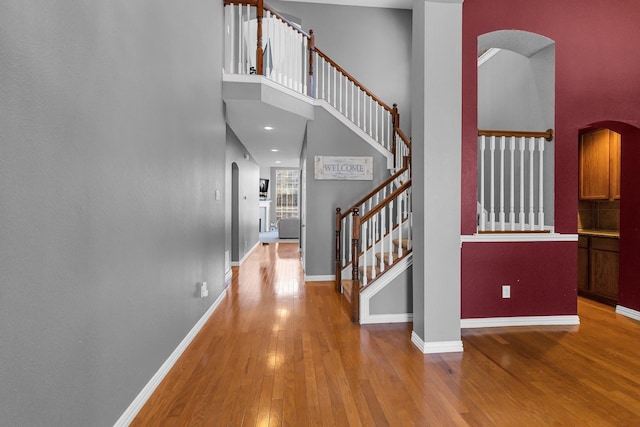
[343, 168]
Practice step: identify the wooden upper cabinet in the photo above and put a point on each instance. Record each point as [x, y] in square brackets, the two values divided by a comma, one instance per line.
[599, 153]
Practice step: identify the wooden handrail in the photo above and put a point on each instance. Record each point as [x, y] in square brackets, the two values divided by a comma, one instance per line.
[548, 135]
[373, 192]
[287, 21]
[384, 202]
[354, 81]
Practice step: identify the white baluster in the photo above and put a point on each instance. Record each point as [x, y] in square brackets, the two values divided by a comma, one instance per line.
[532, 216]
[240, 39]
[521, 218]
[376, 109]
[512, 201]
[501, 214]
[492, 188]
[383, 231]
[541, 185]
[483, 219]
[399, 224]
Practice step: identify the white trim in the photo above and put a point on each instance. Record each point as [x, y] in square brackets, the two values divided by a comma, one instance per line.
[491, 322]
[320, 278]
[244, 258]
[490, 53]
[137, 404]
[518, 237]
[365, 297]
[436, 346]
[228, 276]
[628, 312]
[355, 129]
[386, 318]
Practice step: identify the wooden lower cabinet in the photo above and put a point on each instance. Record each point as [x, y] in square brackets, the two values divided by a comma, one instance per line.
[598, 266]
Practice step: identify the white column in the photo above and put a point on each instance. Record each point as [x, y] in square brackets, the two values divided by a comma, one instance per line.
[437, 108]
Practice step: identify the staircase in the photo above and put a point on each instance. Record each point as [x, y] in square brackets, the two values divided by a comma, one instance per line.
[373, 237]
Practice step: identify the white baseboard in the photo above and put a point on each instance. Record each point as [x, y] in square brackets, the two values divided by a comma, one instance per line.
[228, 275]
[491, 322]
[386, 318]
[244, 258]
[137, 404]
[628, 312]
[436, 346]
[320, 278]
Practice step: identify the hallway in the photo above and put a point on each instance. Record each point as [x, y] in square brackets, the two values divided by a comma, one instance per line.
[278, 352]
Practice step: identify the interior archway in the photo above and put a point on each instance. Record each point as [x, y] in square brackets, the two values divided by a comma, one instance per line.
[516, 92]
[628, 290]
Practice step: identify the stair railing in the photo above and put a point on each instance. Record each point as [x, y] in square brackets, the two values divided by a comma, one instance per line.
[370, 236]
[259, 40]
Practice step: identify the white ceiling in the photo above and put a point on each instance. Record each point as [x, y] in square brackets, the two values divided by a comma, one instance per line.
[248, 118]
[392, 4]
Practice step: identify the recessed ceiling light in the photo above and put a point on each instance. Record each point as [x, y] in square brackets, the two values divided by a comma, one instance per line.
[268, 128]
[278, 161]
[274, 150]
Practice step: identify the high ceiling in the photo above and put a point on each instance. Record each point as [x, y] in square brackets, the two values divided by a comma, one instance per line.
[393, 4]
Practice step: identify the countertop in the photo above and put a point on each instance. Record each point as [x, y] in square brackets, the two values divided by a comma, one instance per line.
[600, 233]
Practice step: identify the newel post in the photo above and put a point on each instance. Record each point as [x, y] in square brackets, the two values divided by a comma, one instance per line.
[310, 79]
[396, 126]
[259, 49]
[338, 251]
[355, 271]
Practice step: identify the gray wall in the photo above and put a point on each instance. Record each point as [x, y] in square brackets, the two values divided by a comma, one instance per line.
[246, 230]
[396, 297]
[372, 44]
[111, 134]
[326, 136]
[518, 93]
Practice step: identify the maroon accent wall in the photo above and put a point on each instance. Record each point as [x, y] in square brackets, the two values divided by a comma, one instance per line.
[540, 275]
[597, 80]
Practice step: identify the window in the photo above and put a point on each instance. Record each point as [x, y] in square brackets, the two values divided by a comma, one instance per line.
[287, 181]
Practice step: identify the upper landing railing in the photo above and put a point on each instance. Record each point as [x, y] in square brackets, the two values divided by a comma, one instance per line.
[511, 181]
[259, 40]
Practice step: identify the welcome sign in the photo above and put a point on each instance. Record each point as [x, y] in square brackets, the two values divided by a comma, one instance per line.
[343, 168]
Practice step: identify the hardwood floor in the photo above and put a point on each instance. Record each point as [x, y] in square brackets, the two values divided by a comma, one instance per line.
[281, 352]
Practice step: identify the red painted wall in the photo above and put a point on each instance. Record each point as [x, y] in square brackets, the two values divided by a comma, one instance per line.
[597, 79]
[529, 268]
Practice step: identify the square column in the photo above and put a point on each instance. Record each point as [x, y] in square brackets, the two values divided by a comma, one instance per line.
[437, 137]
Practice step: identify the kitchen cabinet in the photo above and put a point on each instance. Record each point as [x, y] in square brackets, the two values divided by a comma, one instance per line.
[599, 167]
[598, 266]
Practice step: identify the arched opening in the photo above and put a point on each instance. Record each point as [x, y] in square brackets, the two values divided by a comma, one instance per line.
[609, 224]
[235, 212]
[516, 86]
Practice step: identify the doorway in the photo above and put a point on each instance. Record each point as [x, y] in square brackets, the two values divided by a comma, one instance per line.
[599, 164]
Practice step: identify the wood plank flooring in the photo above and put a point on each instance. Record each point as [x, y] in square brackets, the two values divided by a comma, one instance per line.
[281, 352]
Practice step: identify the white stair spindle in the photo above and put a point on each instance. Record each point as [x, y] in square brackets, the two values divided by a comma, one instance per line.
[483, 218]
[512, 201]
[532, 216]
[363, 243]
[501, 213]
[541, 185]
[383, 231]
[399, 224]
[492, 187]
[521, 217]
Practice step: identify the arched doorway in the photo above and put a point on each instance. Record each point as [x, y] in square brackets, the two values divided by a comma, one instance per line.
[628, 293]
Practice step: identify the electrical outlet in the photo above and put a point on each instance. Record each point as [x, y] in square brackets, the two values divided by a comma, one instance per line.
[506, 291]
[204, 292]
